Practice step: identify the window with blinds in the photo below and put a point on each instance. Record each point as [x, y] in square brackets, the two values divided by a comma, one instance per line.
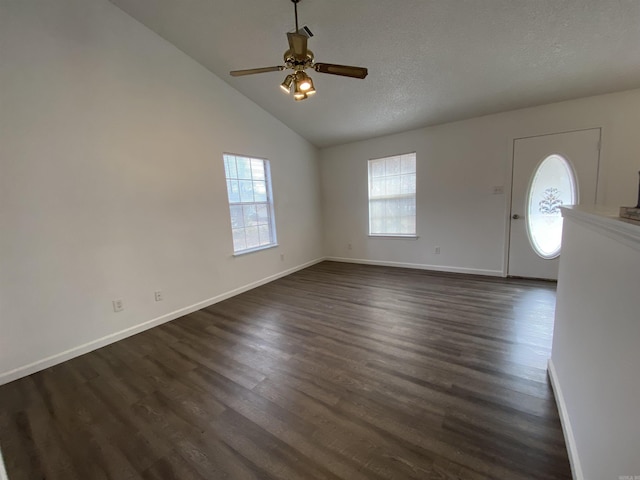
[392, 196]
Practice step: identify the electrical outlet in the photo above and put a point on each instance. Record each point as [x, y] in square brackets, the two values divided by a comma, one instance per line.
[282, 257]
[436, 250]
[118, 306]
[349, 247]
[158, 296]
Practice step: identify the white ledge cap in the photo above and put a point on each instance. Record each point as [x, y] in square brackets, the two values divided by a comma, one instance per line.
[607, 221]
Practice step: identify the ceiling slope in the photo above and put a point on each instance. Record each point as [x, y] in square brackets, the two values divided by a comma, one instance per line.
[430, 61]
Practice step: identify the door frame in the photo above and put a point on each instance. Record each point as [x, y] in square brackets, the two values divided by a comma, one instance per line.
[511, 147]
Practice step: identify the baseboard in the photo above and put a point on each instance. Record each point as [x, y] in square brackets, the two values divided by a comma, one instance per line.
[419, 266]
[574, 460]
[47, 362]
[3, 472]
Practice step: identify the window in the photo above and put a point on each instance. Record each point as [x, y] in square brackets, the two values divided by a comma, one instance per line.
[553, 185]
[392, 196]
[250, 203]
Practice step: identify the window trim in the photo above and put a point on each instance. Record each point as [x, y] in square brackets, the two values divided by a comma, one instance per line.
[394, 236]
[397, 236]
[269, 203]
[254, 250]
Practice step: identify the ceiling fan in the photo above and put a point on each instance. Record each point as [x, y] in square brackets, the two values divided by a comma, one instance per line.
[298, 58]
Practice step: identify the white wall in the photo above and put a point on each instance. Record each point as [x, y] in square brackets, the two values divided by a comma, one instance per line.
[595, 358]
[458, 164]
[112, 181]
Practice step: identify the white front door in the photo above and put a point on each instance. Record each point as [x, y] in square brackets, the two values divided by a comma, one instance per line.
[549, 171]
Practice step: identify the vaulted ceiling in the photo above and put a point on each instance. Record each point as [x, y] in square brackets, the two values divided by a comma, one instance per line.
[430, 61]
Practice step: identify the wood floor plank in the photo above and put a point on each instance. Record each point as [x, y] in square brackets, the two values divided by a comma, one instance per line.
[338, 371]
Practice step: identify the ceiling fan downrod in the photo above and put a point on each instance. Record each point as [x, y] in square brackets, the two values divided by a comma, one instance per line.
[295, 10]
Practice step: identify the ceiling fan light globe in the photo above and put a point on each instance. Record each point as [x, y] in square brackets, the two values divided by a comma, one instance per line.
[299, 98]
[286, 85]
[298, 92]
[311, 90]
[303, 82]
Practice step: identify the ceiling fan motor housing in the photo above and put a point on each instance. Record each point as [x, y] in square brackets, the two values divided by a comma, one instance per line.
[295, 63]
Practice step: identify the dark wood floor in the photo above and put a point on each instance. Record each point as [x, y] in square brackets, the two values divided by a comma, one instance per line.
[336, 372]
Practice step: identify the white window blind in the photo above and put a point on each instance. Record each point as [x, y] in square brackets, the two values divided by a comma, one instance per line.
[392, 196]
[250, 203]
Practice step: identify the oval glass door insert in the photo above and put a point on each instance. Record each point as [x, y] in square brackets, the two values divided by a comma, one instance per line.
[553, 186]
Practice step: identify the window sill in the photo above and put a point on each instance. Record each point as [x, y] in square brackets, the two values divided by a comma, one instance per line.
[396, 237]
[254, 250]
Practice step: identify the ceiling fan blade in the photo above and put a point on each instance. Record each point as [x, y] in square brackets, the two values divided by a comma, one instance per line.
[298, 44]
[343, 70]
[251, 71]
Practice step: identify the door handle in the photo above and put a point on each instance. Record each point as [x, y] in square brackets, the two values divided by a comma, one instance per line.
[515, 216]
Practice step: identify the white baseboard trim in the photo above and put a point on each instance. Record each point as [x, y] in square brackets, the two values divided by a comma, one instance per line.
[419, 266]
[52, 360]
[3, 472]
[572, 450]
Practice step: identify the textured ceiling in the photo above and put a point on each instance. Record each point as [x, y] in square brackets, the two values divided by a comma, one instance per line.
[430, 61]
